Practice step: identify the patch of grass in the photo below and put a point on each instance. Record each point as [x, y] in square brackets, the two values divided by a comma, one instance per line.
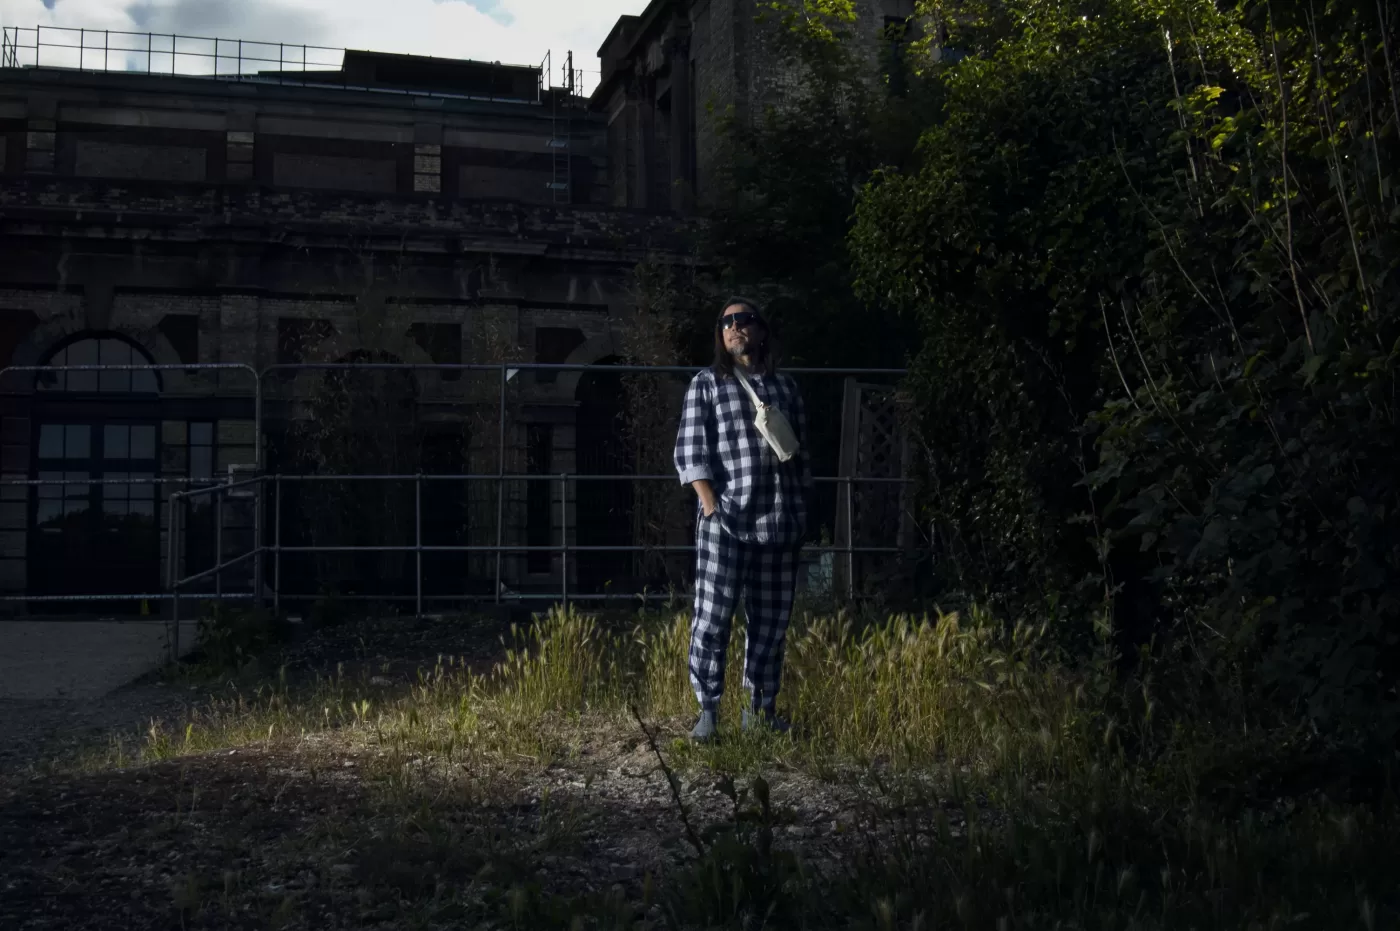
[1017, 791]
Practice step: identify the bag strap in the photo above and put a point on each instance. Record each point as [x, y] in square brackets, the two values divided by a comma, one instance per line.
[758, 405]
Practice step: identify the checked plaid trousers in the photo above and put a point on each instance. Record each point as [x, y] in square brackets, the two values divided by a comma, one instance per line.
[765, 575]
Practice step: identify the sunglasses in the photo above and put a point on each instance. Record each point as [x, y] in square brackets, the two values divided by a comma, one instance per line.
[741, 319]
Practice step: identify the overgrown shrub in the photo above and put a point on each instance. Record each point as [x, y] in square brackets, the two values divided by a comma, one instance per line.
[231, 637]
[1152, 250]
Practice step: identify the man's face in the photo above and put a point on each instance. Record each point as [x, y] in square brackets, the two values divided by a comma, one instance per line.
[739, 339]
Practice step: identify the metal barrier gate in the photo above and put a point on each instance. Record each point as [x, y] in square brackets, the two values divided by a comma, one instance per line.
[178, 587]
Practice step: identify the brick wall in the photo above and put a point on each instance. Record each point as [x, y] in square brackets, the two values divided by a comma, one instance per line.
[183, 212]
[101, 159]
[232, 260]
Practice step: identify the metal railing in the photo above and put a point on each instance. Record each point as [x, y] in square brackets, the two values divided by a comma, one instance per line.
[107, 50]
[171, 594]
[178, 586]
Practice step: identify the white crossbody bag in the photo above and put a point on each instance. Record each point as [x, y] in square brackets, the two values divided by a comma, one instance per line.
[771, 424]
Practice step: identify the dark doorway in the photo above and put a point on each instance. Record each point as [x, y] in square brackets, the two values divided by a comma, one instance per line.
[354, 422]
[97, 533]
[604, 507]
[445, 514]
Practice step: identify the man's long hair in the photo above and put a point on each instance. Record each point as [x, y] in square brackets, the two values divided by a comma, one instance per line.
[764, 354]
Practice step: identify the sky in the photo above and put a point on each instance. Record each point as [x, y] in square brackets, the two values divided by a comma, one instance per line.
[509, 31]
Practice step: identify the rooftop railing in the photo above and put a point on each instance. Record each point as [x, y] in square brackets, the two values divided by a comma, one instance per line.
[242, 60]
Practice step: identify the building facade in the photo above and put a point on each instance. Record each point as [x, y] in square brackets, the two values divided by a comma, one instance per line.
[393, 209]
[674, 73]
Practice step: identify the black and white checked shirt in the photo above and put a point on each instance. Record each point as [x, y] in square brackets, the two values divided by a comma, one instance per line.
[761, 500]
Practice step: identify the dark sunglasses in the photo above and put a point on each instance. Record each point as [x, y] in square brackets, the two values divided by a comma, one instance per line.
[741, 319]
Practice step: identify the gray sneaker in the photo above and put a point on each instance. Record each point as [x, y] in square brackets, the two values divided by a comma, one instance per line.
[765, 718]
[707, 728]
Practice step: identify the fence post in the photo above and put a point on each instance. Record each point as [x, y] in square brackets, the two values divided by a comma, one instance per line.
[564, 535]
[174, 531]
[418, 538]
[277, 545]
[259, 500]
[219, 546]
[850, 541]
[500, 482]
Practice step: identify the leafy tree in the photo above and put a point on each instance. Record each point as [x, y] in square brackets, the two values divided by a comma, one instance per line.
[1150, 246]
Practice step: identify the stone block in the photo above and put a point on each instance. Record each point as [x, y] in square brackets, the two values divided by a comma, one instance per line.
[95, 159]
[235, 433]
[334, 172]
[427, 134]
[233, 455]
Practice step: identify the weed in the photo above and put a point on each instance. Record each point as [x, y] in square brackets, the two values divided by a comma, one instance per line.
[1013, 790]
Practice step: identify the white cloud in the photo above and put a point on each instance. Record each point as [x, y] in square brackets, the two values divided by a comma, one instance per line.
[510, 31]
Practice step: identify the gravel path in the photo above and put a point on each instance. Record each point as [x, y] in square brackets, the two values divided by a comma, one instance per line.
[39, 720]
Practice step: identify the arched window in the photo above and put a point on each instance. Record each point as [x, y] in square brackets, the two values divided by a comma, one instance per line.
[99, 350]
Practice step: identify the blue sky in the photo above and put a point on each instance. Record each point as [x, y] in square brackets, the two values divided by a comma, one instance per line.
[511, 31]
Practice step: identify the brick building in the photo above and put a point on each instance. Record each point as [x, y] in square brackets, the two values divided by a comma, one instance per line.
[390, 209]
[670, 74]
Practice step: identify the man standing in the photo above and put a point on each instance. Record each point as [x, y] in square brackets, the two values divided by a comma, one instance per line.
[752, 514]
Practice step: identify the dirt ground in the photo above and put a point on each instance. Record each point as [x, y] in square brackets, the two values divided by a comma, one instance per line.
[290, 834]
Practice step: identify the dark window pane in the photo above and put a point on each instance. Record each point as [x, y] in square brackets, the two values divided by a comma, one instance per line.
[78, 442]
[75, 505]
[145, 490]
[201, 462]
[111, 492]
[51, 441]
[143, 508]
[50, 491]
[115, 507]
[116, 441]
[83, 352]
[143, 441]
[114, 352]
[201, 434]
[49, 511]
[143, 382]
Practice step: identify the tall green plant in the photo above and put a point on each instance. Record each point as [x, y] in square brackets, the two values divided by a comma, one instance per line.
[1151, 249]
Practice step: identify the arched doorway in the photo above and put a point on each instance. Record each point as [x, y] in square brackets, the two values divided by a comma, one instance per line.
[90, 427]
[603, 508]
